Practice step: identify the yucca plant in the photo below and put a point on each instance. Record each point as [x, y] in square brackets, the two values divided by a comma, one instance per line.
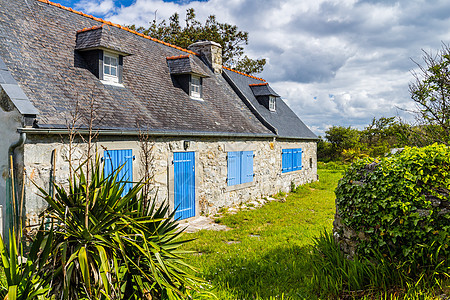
[25, 277]
[108, 246]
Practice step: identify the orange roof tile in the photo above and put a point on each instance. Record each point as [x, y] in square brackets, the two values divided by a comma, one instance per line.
[91, 28]
[177, 57]
[116, 25]
[258, 84]
[248, 75]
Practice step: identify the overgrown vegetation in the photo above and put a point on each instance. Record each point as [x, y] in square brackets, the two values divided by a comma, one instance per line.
[391, 201]
[373, 276]
[123, 250]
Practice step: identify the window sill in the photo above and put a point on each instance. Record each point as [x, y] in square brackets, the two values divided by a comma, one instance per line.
[197, 99]
[291, 172]
[230, 188]
[107, 82]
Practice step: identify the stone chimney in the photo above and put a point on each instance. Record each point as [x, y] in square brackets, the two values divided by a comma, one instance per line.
[212, 51]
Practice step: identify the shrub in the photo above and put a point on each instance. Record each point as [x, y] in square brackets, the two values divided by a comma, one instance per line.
[105, 244]
[399, 204]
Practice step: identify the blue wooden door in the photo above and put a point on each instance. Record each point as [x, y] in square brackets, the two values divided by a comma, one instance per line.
[184, 184]
[114, 159]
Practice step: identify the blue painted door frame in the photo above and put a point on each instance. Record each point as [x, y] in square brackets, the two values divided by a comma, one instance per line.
[184, 184]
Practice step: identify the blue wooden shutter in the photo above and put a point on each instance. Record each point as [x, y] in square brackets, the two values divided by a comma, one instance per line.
[287, 160]
[296, 159]
[234, 170]
[246, 166]
[284, 163]
[115, 159]
[184, 184]
[299, 159]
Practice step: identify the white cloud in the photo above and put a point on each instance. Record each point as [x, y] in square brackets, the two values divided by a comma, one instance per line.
[357, 51]
[102, 7]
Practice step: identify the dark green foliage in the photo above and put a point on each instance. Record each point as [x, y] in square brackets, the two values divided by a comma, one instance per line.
[343, 138]
[228, 36]
[26, 278]
[373, 275]
[108, 246]
[390, 200]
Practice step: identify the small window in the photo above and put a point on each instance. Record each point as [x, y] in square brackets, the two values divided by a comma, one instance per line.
[272, 103]
[240, 167]
[196, 87]
[291, 160]
[110, 67]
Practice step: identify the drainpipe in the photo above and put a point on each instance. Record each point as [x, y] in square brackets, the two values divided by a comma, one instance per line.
[20, 142]
[12, 147]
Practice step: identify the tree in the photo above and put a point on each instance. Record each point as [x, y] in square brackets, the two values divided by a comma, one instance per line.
[431, 94]
[228, 36]
[343, 138]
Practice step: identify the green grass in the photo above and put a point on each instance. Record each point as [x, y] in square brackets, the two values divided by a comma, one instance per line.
[263, 255]
[268, 253]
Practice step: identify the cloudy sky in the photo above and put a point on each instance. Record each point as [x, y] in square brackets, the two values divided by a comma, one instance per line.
[334, 62]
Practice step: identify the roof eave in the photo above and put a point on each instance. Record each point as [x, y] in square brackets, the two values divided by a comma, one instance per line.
[59, 131]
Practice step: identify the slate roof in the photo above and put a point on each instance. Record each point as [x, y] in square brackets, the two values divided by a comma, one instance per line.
[262, 89]
[98, 37]
[284, 120]
[38, 42]
[184, 64]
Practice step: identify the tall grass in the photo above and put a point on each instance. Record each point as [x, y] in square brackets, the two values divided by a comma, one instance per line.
[334, 275]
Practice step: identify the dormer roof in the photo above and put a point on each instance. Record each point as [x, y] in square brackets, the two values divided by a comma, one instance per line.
[184, 64]
[99, 37]
[262, 89]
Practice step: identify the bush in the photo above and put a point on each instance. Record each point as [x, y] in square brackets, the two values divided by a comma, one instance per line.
[399, 204]
[105, 244]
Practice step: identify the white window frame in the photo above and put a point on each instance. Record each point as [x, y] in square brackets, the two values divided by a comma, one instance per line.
[195, 87]
[109, 78]
[272, 103]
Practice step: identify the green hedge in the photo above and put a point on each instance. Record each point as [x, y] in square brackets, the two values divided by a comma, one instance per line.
[399, 202]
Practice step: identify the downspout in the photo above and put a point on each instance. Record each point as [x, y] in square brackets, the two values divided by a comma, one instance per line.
[16, 144]
[12, 147]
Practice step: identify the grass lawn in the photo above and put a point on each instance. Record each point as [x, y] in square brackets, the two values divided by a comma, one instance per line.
[265, 254]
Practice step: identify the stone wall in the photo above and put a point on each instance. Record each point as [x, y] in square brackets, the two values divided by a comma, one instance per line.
[212, 192]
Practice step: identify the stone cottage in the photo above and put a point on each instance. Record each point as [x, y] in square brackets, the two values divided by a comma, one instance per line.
[219, 136]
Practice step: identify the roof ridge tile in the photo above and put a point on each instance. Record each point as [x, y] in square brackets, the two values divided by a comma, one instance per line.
[177, 57]
[236, 71]
[116, 25]
[90, 28]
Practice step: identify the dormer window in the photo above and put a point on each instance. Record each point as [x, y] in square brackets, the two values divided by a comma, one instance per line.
[110, 67]
[265, 95]
[272, 102]
[196, 87]
[187, 75]
[102, 53]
